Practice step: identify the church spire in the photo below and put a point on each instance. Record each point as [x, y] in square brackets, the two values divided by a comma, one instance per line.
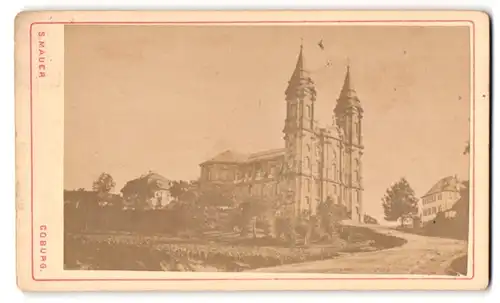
[300, 79]
[348, 89]
[348, 97]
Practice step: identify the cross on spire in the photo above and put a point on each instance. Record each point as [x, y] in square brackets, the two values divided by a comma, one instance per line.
[347, 89]
[300, 78]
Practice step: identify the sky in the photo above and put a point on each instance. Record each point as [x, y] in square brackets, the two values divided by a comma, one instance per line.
[166, 98]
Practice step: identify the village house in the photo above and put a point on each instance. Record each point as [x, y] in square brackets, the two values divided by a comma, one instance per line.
[149, 191]
[440, 198]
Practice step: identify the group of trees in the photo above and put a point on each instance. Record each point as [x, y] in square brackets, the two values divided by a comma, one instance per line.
[400, 203]
[199, 207]
[278, 220]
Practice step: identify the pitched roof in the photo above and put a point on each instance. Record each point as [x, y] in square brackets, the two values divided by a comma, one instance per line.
[268, 154]
[450, 183]
[300, 79]
[228, 156]
[232, 157]
[147, 180]
[161, 181]
[348, 97]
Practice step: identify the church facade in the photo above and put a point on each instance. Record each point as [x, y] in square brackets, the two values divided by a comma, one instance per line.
[315, 164]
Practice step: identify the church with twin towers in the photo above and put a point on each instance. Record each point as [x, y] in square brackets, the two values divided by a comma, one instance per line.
[316, 162]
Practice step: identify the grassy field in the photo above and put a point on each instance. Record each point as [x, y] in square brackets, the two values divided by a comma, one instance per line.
[214, 251]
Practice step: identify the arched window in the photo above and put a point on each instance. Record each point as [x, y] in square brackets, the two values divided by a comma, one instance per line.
[308, 148]
[308, 111]
[334, 171]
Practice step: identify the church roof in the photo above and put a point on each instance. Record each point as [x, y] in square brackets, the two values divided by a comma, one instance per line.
[347, 89]
[228, 156]
[300, 79]
[348, 96]
[450, 183]
[233, 157]
[268, 154]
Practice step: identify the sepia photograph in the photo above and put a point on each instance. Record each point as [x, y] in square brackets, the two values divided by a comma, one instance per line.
[338, 149]
[252, 150]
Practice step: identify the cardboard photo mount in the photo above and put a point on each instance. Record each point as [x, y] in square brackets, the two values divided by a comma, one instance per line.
[40, 81]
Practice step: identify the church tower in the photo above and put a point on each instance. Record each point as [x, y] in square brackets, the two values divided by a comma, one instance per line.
[348, 116]
[299, 136]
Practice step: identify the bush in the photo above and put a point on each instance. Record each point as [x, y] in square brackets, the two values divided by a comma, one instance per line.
[369, 219]
[171, 220]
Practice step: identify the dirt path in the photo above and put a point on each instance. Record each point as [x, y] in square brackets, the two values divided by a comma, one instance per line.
[420, 255]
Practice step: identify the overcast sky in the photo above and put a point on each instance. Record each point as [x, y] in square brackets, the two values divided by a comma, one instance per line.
[166, 98]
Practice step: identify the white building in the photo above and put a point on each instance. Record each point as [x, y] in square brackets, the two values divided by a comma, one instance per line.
[440, 198]
[149, 191]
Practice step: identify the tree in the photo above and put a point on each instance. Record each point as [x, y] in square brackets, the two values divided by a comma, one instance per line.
[188, 216]
[82, 207]
[253, 209]
[103, 184]
[330, 214]
[308, 226]
[179, 188]
[201, 206]
[216, 195]
[399, 202]
[144, 192]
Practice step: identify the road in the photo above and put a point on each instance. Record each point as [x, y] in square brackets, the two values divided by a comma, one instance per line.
[420, 255]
